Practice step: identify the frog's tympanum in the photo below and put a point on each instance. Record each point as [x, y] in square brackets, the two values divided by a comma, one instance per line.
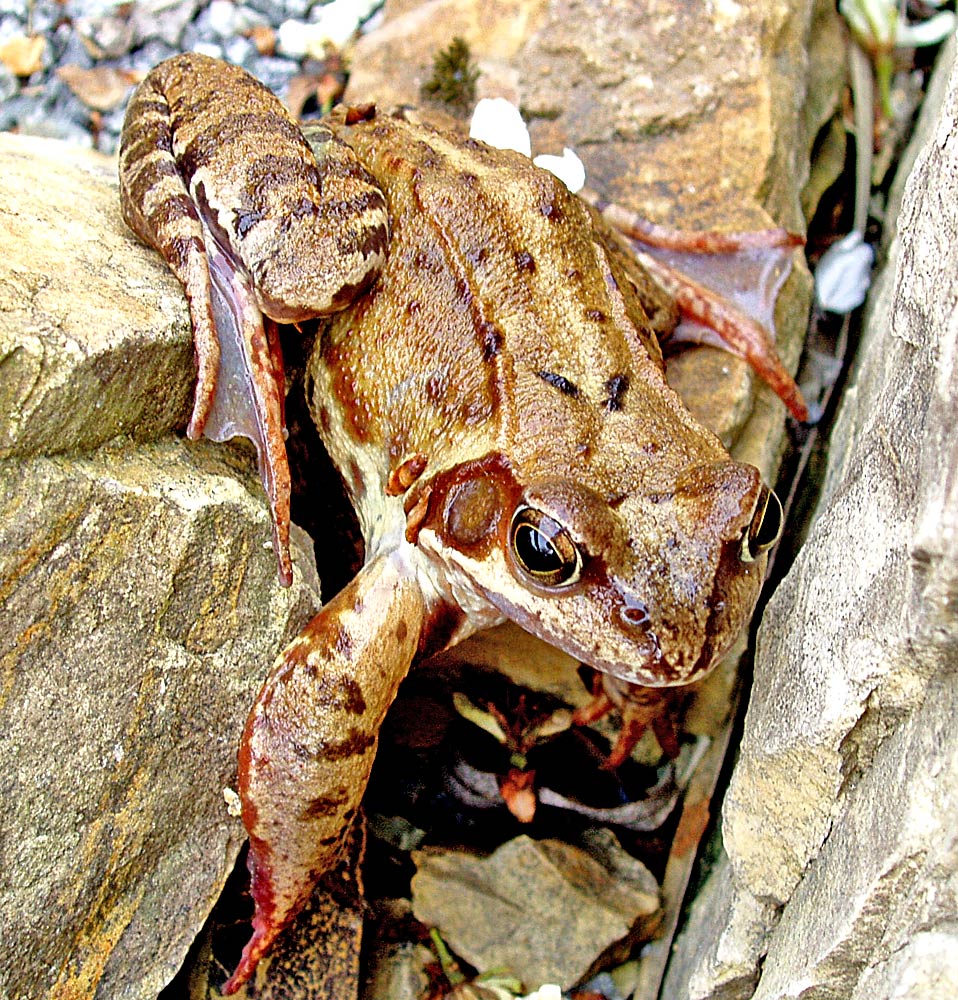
[488, 386]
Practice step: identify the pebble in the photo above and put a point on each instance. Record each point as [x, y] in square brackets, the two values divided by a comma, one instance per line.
[98, 33]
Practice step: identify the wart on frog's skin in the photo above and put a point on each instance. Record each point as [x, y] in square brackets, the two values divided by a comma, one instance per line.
[488, 384]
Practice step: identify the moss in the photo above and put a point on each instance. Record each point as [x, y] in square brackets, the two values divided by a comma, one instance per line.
[453, 80]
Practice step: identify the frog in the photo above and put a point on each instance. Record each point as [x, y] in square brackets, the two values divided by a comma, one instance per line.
[487, 381]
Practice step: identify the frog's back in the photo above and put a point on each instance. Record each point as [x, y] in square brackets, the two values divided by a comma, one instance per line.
[501, 323]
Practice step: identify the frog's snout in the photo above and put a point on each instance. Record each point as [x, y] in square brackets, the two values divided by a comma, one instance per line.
[765, 528]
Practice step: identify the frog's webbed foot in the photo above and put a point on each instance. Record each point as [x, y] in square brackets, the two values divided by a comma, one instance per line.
[311, 738]
[725, 286]
[249, 390]
[252, 221]
[641, 708]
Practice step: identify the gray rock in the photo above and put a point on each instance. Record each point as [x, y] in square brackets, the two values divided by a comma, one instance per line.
[140, 606]
[8, 84]
[44, 16]
[276, 72]
[110, 35]
[163, 19]
[89, 350]
[240, 51]
[149, 54]
[843, 808]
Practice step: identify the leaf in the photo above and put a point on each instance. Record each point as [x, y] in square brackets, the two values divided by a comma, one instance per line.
[484, 720]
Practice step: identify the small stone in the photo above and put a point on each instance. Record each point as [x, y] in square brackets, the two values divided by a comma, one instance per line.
[276, 72]
[102, 87]
[87, 9]
[541, 910]
[398, 972]
[223, 18]
[23, 54]
[149, 54]
[264, 38]
[162, 19]
[239, 51]
[210, 49]
[8, 84]
[105, 37]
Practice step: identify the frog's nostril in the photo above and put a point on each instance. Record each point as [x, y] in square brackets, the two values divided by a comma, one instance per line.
[766, 527]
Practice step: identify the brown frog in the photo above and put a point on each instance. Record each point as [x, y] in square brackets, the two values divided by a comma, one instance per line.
[489, 387]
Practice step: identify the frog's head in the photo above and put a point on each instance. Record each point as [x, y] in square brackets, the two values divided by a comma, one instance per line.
[652, 585]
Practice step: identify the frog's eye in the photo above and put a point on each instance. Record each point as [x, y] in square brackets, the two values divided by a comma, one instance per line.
[766, 527]
[543, 549]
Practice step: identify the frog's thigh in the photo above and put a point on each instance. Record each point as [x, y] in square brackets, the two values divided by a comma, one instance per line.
[311, 737]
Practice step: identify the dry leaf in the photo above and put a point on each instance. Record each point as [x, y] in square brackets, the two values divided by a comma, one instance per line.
[102, 88]
[23, 54]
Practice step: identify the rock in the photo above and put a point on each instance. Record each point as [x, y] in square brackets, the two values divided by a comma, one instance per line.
[541, 910]
[841, 814]
[140, 604]
[94, 332]
[716, 950]
[162, 19]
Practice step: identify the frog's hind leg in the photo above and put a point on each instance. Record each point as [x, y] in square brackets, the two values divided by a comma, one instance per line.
[311, 738]
[735, 303]
[157, 206]
[239, 386]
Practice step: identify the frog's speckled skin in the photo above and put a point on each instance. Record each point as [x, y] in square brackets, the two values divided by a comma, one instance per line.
[495, 402]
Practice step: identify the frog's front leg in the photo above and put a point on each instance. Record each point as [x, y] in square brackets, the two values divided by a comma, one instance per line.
[311, 738]
[217, 177]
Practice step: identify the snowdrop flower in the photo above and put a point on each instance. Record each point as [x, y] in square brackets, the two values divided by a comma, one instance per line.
[879, 27]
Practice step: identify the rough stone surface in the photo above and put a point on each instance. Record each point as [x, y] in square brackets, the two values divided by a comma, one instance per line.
[843, 806]
[542, 910]
[140, 607]
[94, 333]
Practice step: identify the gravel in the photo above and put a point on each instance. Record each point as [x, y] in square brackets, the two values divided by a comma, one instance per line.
[106, 35]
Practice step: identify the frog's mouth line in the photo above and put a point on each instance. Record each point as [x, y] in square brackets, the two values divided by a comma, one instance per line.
[646, 664]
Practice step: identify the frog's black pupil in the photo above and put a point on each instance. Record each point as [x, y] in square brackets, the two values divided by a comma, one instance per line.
[535, 550]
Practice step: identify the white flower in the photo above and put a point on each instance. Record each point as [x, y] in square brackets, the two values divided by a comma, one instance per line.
[929, 32]
[843, 274]
[568, 168]
[880, 27]
[498, 122]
